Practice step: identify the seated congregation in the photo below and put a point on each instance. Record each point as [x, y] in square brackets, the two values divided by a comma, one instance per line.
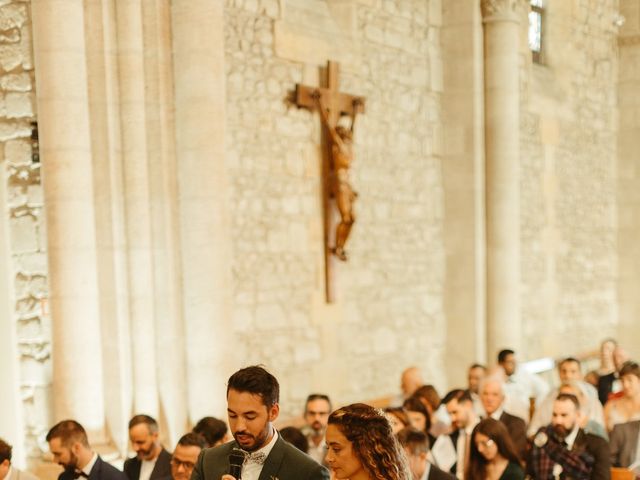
[505, 424]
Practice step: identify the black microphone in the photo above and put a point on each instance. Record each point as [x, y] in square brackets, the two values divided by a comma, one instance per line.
[236, 459]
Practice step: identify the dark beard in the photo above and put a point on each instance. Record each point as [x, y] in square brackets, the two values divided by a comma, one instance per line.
[561, 432]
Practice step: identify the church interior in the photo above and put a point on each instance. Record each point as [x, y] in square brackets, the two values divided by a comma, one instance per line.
[335, 189]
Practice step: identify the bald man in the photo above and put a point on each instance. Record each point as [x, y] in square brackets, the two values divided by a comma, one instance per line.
[410, 381]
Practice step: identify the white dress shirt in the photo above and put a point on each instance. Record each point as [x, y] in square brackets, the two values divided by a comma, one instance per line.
[87, 468]
[252, 470]
[147, 468]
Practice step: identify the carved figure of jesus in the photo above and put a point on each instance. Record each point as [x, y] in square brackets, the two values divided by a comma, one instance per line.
[341, 158]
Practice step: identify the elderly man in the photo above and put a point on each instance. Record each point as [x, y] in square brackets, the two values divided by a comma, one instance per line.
[492, 396]
[570, 372]
[563, 450]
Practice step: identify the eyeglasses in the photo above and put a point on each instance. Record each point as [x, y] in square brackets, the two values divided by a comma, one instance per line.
[179, 463]
[485, 444]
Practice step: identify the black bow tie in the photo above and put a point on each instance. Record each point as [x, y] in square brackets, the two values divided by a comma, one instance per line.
[79, 474]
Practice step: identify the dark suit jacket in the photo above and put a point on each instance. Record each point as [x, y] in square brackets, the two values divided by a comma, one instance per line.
[596, 446]
[284, 462]
[623, 443]
[599, 448]
[101, 471]
[517, 431]
[161, 469]
[437, 474]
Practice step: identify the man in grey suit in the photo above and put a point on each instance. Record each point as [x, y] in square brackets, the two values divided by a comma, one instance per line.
[7, 470]
[623, 443]
[252, 407]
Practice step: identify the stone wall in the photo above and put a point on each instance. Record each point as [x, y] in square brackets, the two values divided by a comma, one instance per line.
[26, 217]
[390, 312]
[568, 173]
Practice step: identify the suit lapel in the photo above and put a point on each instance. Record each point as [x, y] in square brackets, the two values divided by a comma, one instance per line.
[581, 442]
[95, 470]
[272, 464]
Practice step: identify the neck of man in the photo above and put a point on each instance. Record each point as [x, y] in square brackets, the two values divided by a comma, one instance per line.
[157, 448]
[269, 437]
[317, 437]
[84, 458]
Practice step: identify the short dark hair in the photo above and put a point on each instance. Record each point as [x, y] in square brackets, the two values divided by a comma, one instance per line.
[569, 360]
[5, 451]
[147, 420]
[68, 431]
[258, 381]
[296, 438]
[457, 394]
[211, 429]
[192, 439]
[629, 368]
[414, 440]
[568, 397]
[503, 354]
[317, 396]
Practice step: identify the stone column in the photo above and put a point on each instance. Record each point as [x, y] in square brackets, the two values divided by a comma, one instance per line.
[199, 76]
[463, 178]
[629, 178]
[11, 425]
[133, 128]
[65, 145]
[501, 20]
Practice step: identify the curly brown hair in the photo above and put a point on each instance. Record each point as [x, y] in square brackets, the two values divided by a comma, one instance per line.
[372, 440]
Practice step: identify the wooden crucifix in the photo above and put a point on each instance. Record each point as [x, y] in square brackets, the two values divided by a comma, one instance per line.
[337, 193]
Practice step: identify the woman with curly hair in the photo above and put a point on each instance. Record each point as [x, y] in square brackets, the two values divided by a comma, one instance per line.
[492, 455]
[361, 445]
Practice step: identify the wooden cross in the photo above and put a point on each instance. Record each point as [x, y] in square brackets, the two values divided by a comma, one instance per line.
[335, 105]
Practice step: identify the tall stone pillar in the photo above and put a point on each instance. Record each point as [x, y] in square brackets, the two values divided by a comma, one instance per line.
[65, 146]
[11, 425]
[199, 76]
[628, 175]
[133, 129]
[501, 20]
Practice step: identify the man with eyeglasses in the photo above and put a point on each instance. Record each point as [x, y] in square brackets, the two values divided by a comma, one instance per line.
[316, 415]
[185, 455]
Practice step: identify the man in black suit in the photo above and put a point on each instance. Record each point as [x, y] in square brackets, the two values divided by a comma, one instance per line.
[70, 447]
[252, 406]
[416, 446]
[623, 443]
[492, 397]
[459, 405]
[152, 461]
[564, 450]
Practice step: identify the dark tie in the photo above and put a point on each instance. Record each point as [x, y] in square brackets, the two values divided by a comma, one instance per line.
[79, 474]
